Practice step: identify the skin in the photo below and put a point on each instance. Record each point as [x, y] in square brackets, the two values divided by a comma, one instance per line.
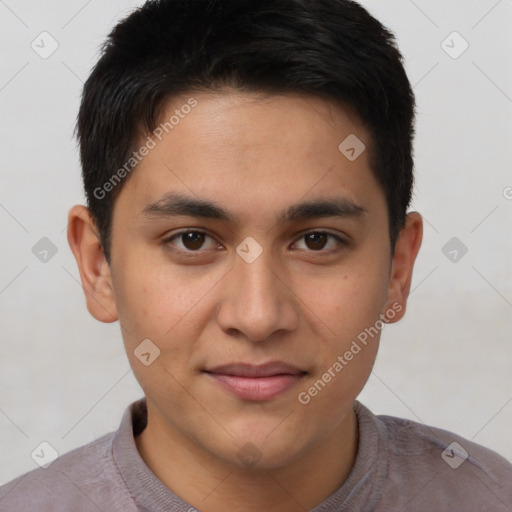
[298, 302]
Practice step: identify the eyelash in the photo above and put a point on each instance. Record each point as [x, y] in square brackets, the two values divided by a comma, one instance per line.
[341, 242]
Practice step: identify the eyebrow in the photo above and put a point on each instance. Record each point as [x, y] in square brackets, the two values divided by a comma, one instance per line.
[172, 204]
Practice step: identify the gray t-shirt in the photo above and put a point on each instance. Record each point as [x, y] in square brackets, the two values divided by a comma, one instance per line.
[401, 465]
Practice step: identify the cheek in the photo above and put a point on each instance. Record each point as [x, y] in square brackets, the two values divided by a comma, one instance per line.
[346, 355]
[346, 302]
[349, 309]
[161, 306]
[161, 302]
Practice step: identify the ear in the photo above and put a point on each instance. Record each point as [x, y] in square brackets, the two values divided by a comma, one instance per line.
[95, 275]
[406, 249]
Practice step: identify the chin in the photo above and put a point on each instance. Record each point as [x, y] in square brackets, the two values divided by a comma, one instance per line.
[259, 450]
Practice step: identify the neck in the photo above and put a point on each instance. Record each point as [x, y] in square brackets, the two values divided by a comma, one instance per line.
[210, 483]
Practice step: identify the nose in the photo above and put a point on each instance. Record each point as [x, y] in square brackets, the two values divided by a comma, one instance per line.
[256, 300]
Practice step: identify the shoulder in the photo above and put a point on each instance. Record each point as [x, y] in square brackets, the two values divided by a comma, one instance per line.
[429, 466]
[84, 479]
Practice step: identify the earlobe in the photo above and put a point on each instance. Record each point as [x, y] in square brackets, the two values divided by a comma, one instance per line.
[94, 271]
[406, 249]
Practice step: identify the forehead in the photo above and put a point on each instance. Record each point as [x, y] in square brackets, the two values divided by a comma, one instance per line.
[249, 150]
[231, 121]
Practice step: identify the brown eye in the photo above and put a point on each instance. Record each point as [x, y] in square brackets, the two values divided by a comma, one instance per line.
[190, 241]
[316, 241]
[319, 241]
[193, 240]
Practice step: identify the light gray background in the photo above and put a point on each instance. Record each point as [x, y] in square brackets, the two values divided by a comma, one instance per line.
[64, 377]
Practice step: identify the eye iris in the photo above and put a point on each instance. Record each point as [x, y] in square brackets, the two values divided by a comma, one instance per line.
[318, 239]
[193, 240]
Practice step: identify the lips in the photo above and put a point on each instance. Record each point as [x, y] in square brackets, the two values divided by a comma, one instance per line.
[256, 382]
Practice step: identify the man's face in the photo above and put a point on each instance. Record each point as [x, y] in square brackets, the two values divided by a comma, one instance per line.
[258, 288]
